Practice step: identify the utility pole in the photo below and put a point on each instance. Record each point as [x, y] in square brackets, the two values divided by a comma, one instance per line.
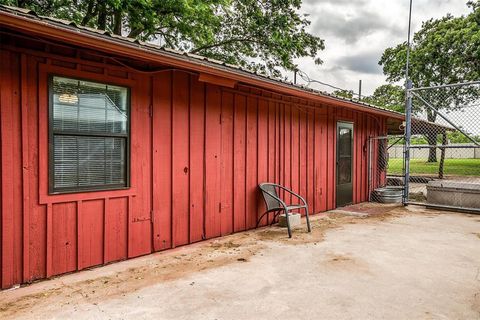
[359, 89]
[408, 115]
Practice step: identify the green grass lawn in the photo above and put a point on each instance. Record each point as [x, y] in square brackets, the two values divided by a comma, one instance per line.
[457, 167]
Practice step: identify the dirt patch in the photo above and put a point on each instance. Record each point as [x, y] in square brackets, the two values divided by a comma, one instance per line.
[344, 262]
[476, 303]
[229, 244]
[237, 248]
[168, 266]
[333, 219]
[340, 258]
[372, 208]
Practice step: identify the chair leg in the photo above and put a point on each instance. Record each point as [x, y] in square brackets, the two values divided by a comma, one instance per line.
[260, 219]
[275, 215]
[288, 223]
[308, 220]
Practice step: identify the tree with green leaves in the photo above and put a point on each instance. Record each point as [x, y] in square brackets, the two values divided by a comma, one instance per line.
[458, 137]
[443, 51]
[348, 94]
[263, 35]
[389, 96]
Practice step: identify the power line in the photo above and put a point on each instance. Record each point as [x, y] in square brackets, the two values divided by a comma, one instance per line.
[309, 80]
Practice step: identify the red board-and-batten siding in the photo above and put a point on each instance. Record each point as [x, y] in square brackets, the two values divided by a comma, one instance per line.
[198, 152]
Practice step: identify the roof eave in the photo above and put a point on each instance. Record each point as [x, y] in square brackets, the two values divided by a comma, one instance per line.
[133, 50]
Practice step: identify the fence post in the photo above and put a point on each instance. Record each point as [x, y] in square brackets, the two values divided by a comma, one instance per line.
[408, 134]
[369, 169]
[442, 155]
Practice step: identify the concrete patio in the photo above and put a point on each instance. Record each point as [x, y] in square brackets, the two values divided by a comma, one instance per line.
[365, 261]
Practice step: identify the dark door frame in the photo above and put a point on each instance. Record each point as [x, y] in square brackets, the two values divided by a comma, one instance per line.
[345, 189]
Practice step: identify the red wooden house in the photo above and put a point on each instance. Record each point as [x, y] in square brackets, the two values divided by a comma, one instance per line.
[112, 148]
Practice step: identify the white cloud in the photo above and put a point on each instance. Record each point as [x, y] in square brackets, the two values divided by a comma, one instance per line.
[351, 27]
[356, 32]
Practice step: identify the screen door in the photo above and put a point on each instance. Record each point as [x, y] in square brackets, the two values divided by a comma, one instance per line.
[344, 187]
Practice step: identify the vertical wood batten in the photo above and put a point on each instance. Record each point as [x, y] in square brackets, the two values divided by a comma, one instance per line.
[162, 144]
[278, 162]
[91, 226]
[197, 160]
[49, 260]
[11, 166]
[271, 146]
[287, 150]
[25, 170]
[140, 237]
[303, 155]
[281, 143]
[180, 156]
[5, 101]
[355, 157]
[361, 141]
[295, 151]
[251, 162]
[262, 155]
[129, 224]
[365, 156]
[79, 235]
[239, 158]
[310, 161]
[331, 158]
[37, 213]
[116, 225]
[106, 227]
[226, 154]
[212, 160]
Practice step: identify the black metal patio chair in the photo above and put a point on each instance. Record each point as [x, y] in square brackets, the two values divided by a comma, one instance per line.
[276, 205]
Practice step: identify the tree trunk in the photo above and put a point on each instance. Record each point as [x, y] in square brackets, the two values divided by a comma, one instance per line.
[432, 141]
[442, 156]
[102, 16]
[432, 138]
[117, 22]
[89, 14]
[134, 33]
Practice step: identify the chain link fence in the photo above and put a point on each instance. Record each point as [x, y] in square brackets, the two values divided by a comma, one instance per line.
[386, 168]
[444, 147]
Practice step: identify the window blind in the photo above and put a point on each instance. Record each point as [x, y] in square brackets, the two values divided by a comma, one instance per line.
[89, 132]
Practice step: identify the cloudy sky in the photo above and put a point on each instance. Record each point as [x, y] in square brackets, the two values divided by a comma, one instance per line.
[356, 32]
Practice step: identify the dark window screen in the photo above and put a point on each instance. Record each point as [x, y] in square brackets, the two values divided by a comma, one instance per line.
[345, 156]
[89, 135]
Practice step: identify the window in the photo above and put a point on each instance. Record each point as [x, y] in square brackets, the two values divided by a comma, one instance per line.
[89, 131]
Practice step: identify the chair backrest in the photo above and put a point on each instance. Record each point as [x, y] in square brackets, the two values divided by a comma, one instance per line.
[270, 202]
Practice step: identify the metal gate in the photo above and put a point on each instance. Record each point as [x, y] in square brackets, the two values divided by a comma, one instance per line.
[386, 168]
[442, 147]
